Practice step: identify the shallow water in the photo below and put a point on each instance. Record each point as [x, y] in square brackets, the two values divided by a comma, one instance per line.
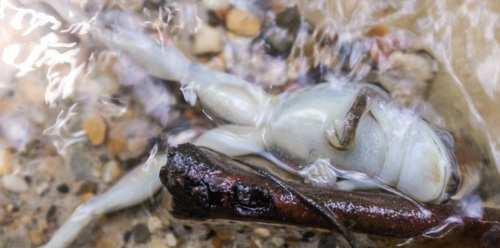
[54, 78]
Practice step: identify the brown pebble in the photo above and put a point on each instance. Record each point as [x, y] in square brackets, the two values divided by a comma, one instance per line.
[116, 140]
[378, 30]
[221, 13]
[216, 242]
[292, 239]
[189, 114]
[5, 157]
[10, 208]
[105, 243]
[95, 128]
[242, 23]
[222, 234]
[85, 197]
[36, 237]
[116, 145]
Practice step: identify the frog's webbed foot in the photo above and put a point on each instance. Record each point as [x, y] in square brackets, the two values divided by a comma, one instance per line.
[343, 136]
[232, 140]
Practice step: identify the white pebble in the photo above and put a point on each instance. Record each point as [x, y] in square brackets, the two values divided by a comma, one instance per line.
[208, 40]
[42, 187]
[262, 232]
[171, 240]
[277, 241]
[154, 223]
[14, 183]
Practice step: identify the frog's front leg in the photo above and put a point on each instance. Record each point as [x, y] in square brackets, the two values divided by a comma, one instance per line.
[232, 140]
[343, 137]
[224, 97]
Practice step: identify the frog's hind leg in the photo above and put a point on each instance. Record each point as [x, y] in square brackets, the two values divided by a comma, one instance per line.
[343, 137]
[232, 140]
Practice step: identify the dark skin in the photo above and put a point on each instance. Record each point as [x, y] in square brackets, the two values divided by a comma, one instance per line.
[344, 137]
[208, 185]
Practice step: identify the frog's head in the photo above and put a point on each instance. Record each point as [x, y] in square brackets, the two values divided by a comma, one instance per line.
[430, 172]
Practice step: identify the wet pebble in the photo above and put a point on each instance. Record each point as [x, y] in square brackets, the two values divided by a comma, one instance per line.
[171, 240]
[277, 241]
[85, 197]
[208, 40]
[81, 163]
[117, 140]
[5, 157]
[95, 128]
[105, 243]
[15, 183]
[42, 188]
[140, 233]
[262, 232]
[222, 234]
[242, 23]
[154, 224]
[36, 237]
[378, 30]
[112, 171]
[86, 187]
[51, 167]
[157, 243]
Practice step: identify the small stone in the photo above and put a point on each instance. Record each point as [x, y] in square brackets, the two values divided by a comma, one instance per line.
[221, 13]
[36, 237]
[140, 233]
[171, 240]
[87, 187]
[116, 140]
[262, 232]
[211, 4]
[208, 40]
[85, 197]
[112, 171]
[136, 146]
[5, 157]
[10, 208]
[242, 23]
[15, 183]
[116, 145]
[378, 30]
[154, 224]
[81, 165]
[50, 167]
[4, 200]
[42, 188]
[216, 242]
[277, 241]
[157, 243]
[105, 243]
[222, 234]
[95, 128]
[63, 188]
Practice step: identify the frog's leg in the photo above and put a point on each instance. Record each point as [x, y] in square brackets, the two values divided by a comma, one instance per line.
[343, 137]
[226, 98]
[232, 140]
[134, 188]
